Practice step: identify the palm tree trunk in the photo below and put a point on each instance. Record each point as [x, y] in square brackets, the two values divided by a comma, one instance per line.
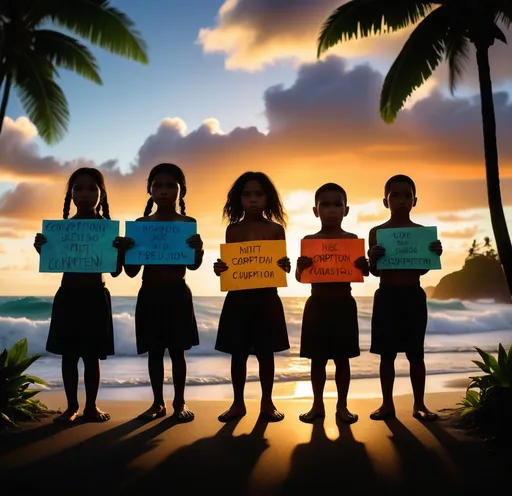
[5, 99]
[498, 221]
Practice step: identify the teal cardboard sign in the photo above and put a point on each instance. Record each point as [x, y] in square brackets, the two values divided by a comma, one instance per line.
[407, 248]
[84, 246]
[160, 243]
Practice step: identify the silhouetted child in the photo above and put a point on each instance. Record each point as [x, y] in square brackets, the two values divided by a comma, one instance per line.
[164, 315]
[81, 322]
[399, 318]
[252, 320]
[329, 325]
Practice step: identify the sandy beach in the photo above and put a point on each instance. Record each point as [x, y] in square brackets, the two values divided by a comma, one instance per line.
[126, 456]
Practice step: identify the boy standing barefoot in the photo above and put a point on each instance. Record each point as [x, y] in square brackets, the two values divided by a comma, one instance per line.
[330, 328]
[399, 318]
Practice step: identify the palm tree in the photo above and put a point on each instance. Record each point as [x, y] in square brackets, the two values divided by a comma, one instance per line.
[445, 29]
[489, 252]
[473, 250]
[31, 53]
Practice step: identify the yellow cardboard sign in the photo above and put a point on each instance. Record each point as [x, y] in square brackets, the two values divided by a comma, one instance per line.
[252, 265]
[333, 260]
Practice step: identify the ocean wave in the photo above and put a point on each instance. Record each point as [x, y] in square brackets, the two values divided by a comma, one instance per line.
[436, 305]
[29, 307]
[279, 378]
[453, 326]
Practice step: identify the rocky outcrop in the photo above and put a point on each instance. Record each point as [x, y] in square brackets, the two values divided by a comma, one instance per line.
[481, 277]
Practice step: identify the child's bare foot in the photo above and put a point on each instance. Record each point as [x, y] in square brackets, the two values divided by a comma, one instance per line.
[270, 413]
[68, 416]
[153, 412]
[313, 414]
[182, 414]
[383, 413]
[95, 415]
[343, 414]
[424, 414]
[236, 410]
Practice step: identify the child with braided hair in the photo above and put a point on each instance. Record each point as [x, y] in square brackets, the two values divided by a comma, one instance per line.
[164, 314]
[81, 320]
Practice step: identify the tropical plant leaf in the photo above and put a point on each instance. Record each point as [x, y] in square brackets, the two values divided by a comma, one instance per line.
[420, 56]
[13, 385]
[66, 52]
[24, 364]
[457, 55]
[36, 380]
[17, 352]
[4, 355]
[7, 420]
[493, 363]
[363, 18]
[20, 409]
[472, 397]
[483, 366]
[30, 393]
[38, 404]
[485, 356]
[101, 25]
[467, 411]
[43, 100]
[502, 357]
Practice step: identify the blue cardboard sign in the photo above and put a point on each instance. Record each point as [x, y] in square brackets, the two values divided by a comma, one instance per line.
[407, 248]
[160, 243]
[79, 245]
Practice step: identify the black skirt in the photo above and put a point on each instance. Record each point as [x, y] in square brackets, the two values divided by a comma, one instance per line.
[81, 322]
[330, 328]
[252, 322]
[165, 318]
[399, 320]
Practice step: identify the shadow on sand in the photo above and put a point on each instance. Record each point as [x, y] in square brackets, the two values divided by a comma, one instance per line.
[323, 465]
[222, 461]
[85, 466]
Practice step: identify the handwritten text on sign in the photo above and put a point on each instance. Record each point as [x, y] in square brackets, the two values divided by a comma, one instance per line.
[252, 265]
[333, 260]
[408, 248]
[160, 243]
[84, 246]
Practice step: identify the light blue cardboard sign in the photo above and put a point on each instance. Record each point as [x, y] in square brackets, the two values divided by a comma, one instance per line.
[84, 245]
[160, 243]
[407, 248]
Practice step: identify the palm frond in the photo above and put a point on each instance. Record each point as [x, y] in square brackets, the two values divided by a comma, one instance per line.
[43, 100]
[102, 25]
[420, 56]
[363, 18]
[457, 54]
[66, 52]
[504, 12]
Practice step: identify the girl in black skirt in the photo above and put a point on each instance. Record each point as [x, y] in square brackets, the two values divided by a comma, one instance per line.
[81, 321]
[252, 321]
[164, 316]
[329, 325]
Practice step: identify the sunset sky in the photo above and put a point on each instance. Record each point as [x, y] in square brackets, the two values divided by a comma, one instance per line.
[234, 86]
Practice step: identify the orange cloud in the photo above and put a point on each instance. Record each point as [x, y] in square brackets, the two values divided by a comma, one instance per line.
[378, 217]
[458, 218]
[325, 127]
[465, 233]
[254, 34]
[10, 234]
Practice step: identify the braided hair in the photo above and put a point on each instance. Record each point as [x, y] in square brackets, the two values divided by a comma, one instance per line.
[178, 175]
[103, 206]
